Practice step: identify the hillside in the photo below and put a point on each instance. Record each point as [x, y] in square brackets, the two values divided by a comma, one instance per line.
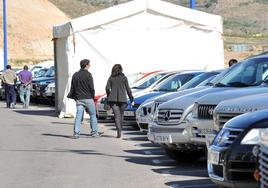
[29, 27]
[30, 24]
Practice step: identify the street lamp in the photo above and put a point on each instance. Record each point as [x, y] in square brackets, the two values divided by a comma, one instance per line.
[5, 33]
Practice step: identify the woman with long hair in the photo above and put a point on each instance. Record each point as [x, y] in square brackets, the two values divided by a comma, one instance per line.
[116, 89]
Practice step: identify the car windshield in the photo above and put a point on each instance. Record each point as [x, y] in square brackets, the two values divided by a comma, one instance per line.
[40, 73]
[174, 82]
[198, 79]
[134, 77]
[50, 72]
[146, 82]
[250, 72]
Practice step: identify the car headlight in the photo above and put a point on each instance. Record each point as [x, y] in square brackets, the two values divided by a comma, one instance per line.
[223, 137]
[252, 137]
[187, 113]
[195, 110]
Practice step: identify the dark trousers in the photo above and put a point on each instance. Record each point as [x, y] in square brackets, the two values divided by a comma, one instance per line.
[10, 94]
[118, 109]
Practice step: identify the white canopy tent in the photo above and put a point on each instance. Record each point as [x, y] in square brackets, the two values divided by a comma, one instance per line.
[142, 35]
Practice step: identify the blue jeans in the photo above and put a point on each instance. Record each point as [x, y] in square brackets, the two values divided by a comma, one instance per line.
[10, 94]
[25, 95]
[80, 108]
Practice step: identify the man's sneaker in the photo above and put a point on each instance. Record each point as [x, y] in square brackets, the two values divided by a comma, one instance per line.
[12, 105]
[96, 135]
[75, 136]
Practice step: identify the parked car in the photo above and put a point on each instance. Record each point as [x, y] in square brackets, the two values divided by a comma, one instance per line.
[134, 77]
[39, 84]
[171, 84]
[170, 119]
[231, 162]
[145, 110]
[143, 84]
[50, 92]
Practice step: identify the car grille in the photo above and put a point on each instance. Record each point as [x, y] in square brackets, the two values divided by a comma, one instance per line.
[224, 117]
[205, 111]
[241, 170]
[263, 162]
[168, 116]
[233, 134]
[144, 126]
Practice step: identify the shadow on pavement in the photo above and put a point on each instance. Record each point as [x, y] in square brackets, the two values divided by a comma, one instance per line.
[92, 152]
[200, 183]
[81, 135]
[37, 112]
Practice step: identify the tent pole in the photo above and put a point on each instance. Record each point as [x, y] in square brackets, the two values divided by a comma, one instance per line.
[192, 4]
[5, 34]
[56, 75]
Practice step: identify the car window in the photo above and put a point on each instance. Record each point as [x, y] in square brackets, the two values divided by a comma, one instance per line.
[250, 72]
[174, 82]
[142, 84]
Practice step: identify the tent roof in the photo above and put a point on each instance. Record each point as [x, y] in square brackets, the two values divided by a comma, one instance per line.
[122, 11]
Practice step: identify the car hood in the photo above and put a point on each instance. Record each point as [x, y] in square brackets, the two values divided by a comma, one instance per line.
[141, 98]
[244, 104]
[42, 79]
[185, 101]
[168, 96]
[248, 119]
[215, 98]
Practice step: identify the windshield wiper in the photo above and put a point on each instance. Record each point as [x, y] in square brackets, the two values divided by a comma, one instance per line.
[240, 84]
[209, 84]
[220, 85]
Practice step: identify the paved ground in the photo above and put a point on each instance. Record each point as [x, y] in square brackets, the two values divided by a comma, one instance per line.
[36, 150]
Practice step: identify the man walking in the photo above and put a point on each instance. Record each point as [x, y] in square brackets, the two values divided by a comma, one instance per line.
[9, 78]
[25, 77]
[83, 92]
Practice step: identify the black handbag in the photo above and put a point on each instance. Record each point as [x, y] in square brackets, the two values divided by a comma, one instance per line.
[106, 105]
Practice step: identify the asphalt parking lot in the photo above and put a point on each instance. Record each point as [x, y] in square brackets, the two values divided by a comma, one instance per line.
[36, 150]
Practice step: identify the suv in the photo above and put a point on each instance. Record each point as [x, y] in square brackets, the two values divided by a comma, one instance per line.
[168, 127]
[171, 84]
[146, 111]
[147, 108]
[231, 162]
[39, 84]
[201, 124]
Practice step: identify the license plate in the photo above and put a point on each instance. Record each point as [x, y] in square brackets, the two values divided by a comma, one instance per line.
[213, 157]
[143, 119]
[162, 139]
[205, 131]
[129, 113]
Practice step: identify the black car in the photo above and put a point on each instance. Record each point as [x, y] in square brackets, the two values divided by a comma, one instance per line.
[39, 84]
[231, 162]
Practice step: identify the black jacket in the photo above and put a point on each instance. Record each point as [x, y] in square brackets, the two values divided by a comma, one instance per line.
[82, 86]
[116, 89]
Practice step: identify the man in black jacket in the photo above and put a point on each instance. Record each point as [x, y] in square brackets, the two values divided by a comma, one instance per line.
[83, 92]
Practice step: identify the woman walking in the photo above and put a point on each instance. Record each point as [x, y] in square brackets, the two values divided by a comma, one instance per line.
[116, 89]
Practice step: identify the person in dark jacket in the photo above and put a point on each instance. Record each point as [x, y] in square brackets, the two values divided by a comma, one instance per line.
[116, 89]
[83, 92]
